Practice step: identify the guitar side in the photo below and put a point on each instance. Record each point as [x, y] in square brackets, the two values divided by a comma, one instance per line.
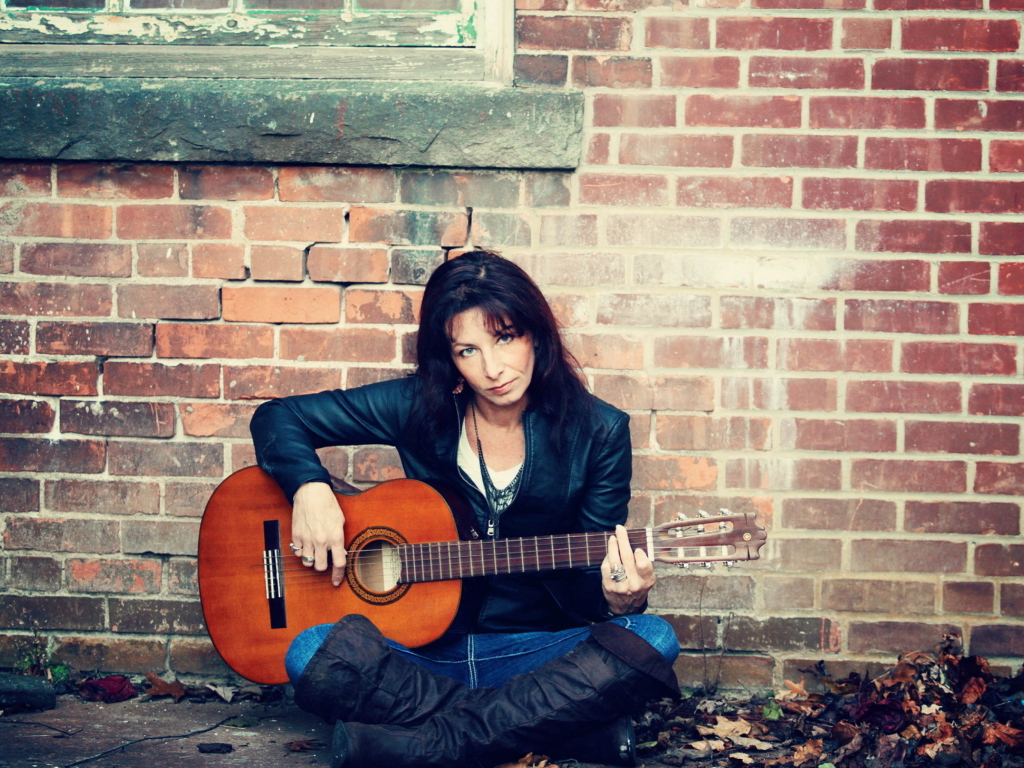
[233, 577]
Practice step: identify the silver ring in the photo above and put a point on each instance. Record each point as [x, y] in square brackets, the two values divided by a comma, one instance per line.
[295, 547]
[618, 573]
[308, 560]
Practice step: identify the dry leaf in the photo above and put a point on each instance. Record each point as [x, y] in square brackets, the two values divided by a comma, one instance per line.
[808, 753]
[159, 687]
[708, 744]
[530, 761]
[996, 732]
[743, 758]
[226, 692]
[302, 745]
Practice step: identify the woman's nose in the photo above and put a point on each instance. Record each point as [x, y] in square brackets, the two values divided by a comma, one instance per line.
[493, 365]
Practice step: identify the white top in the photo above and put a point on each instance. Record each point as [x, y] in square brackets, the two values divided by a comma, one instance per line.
[469, 463]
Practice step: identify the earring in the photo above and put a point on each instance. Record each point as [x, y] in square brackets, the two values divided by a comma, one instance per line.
[459, 387]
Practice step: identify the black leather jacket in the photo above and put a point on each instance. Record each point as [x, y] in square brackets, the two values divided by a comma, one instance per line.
[583, 487]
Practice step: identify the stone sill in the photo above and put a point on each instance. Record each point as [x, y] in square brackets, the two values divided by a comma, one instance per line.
[429, 124]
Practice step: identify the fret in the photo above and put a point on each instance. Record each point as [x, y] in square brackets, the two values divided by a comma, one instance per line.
[551, 543]
[536, 553]
[448, 555]
[430, 559]
[494, 552]
[569, 542]
[508, 558]
[522, 557]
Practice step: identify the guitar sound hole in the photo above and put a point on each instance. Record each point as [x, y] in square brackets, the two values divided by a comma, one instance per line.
[377, 566]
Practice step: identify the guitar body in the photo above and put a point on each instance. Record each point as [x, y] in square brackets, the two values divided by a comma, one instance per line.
[252, 633]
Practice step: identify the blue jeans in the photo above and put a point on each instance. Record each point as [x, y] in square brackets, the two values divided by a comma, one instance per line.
[491, 659]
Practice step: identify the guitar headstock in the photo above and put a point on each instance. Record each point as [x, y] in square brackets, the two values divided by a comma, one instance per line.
[722, 538]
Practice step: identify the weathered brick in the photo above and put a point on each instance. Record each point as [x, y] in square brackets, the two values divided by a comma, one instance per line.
[18, 494]
[114, 656]
[784, 474]
[782, 33]
[703, 433]
[962, 517]
[676, 150]
[903, 397]
[860, 194]
[742, 671]
[997, 640]
[1007, 479]
[995, 319]
[373, 225]
[342, 264]
[24, 179]
[708, 352]
[1009, 76]
[734, 192]
[954, 357]
[866, 34]
[674, 473]
[916, 556]
[660, 310]
[219, 260]
[187, 499]
[166, 459]
[834, 355]
[225, 182]
[215, 419]
[659, 231]
[76, 259]
[162, 537]
[568, 230]
[622, 189]
[862, 435]
[839, 514]
[169, 302]
[1005, 156]
[914, 236]
[55, 299]
[102, 497]
[708, 271]
[37, 574]
[963, 196]
[693, 592]
[242, 455]
[149, 616]
[1011, 599]
[62, 535]
[816, 234]
[133, 182]
[877, 596]
[156, 379]
[182, 575]
[362, 375]
[787, 592]
[923, 5]
[999, 560]
[784, 634]
[960, 34]
[14, 337]
[382, 306]
[915, 154]
[26, 416]
[810, 555]
[105, 339]
[743, 111]
[892, 636]
[546, 189]
[780, 394]
[764, 150]
[117, 418]
[663, 393]
[542, 70]
[203, 340]
[281, 304]
[786, 314]
[376, 464]
[81, 222]
[902, 275]
[49, 378]
[162, 259]
[866, 113]
[700, 71]
[27, 454]
[930, 74]
[614, 351]
[968, 597]
[45, 612]
[277, 262]
[906, 476]
[1011, 279]
[583, 33]
[677, 32]
[169, 222]
[261, 382]
[129, 577]
[964, 277]
[979, 115]
[369, 345]
[477, 189]
[996, 399]
[501, 230]
[962, 437]
[894, 316]
[800, 72]
[292, 223]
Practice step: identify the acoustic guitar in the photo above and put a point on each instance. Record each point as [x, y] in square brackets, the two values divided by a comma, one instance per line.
[406, 561]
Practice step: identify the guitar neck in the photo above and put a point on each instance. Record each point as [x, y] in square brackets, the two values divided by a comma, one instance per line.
[440, 561]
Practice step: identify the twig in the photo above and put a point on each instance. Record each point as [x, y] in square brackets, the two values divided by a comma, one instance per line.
[43, 725]
[148, 738]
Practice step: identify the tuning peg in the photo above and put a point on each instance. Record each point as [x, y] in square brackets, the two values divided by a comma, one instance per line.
[684, 566]
[681, 516]
[702, 513]
[730, 563]
[709, 566]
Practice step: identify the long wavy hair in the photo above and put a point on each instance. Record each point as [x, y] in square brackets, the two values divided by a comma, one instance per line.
[507, 297]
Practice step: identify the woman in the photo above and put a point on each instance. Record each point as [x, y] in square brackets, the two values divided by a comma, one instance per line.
[499, 409]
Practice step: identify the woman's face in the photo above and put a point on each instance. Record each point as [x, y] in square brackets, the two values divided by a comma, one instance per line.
[498, 365]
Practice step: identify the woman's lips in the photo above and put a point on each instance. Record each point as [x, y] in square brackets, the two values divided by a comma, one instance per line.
[502, 389]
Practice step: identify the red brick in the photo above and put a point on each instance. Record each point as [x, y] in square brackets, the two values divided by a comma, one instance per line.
[373, 225]
[930, 75]
[867, 34]
[342, 345]
[44, 612]
[786, 314]
[796, 72]
[889, 636]
[674, 473]
[166, 222]
[964, 277]
[501, 230]
[14, 337]
[76, 259]
[166, 459]
[968, 597]
[574, 231]
[1006, 156]
[103, 497]
[962, 437]
[106, 339]
[6, 258]
[676, 150]
[700, 71]
[219, 260]
[703, 433]
[38, 574]
[909, 476]
[903, 397]
[743, 111]
[607, 351]
[215, 419]
[954, 195]
[860, 194]
[543, 70]
[544, 189]
[787, 593]
[24, 179]
[999, 560]
[67, 535]
[614, 5]
[133, 182]
[877, 596]
[1010, 76]
[358, 377]
[839, 514]
[341, 264]
[962, 517]
[912, 236]
[784, 474]
[263, 382]
[162, 259]
[266, 304]
[158, 379]
[811, 633]
[979, 115]
[814, 234]
[277, 262]
[1002, 5]
[1011, 599]
[995, 319]
[709, 352]
[125, 577]
[634, 110]
[621, 189]
[114, 656]
[734, 192]
[761, 150]
[294, 224]
[656, 231]
[19, 494]
[85, 222]
[49, 378]
[996, 399]
[960, 34]
[908, 556]
[897, 275]
[1011, 279]
[203, 340]
[863, 435]
[337, 184]
[156, 616]
[611, 72]
[677, 32]
[182, 579]
[790, 34]
[867, 113]
[912, 154]
[187, 499]
[959, 358]
[26, 416]
[662, 393]
[1005, 479]
[891, 316]
[169, 302]
[834, 355]
[587, 269]
[1001, 239]
[779, 394]
[117, 418]
[30, 454]
[225, 182]
[924, 5]
[582, 33]
[475, 189]
[242, 455]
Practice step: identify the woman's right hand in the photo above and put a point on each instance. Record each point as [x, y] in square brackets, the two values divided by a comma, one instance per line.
[318, 527]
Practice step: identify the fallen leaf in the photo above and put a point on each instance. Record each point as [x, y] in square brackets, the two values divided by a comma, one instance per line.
[107, 689]
[303, 745]
[805, 753]
[241, 722]
[159, 687]
[996, 732]
[708, 744]
[226, 692]
[741, 757]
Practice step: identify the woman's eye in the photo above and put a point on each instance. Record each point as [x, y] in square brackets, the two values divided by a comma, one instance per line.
[505, 338]
[466, 352]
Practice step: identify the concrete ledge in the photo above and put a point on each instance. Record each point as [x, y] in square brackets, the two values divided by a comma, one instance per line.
[289, 121]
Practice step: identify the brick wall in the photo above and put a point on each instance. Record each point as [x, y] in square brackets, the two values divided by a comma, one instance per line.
[793, 254]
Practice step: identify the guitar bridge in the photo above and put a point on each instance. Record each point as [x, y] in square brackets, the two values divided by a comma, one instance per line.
[273, 574]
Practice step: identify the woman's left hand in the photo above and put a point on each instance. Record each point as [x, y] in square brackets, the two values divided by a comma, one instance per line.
[628, 594]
